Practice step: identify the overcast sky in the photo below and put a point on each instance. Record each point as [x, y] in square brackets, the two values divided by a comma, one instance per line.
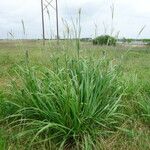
[129, 17]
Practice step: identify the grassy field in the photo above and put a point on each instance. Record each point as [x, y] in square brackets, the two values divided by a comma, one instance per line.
[114, 80]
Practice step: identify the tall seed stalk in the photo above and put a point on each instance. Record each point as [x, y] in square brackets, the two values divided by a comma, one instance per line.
[77, 31]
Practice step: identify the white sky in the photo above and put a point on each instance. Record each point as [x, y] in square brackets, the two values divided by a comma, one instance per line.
[130, 16]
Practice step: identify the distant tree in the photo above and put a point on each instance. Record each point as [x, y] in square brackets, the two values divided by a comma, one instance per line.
[105, 40]
[129, 40]
[124, 40]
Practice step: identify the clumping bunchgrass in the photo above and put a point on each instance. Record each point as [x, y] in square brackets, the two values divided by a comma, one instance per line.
[72, 99]
[2, 141]
[143, 108]
[71, 107]
[26, 114]
[143, 103]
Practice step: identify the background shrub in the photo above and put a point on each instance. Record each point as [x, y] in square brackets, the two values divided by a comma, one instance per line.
[105, 40]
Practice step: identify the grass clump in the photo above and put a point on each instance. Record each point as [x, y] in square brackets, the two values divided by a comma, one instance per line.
[71, 106]
[2, 141]
[143, 108]
[105, 40]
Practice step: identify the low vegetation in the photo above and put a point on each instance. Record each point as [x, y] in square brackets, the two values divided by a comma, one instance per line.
[58, 99]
